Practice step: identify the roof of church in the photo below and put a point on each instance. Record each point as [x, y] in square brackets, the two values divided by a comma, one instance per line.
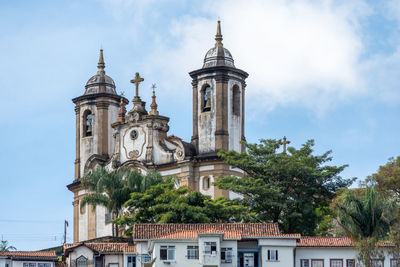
[100, 83]
[218, 55]
[38, 255]
[190, 231]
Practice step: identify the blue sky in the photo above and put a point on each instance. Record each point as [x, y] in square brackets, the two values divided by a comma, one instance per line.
[323, 70]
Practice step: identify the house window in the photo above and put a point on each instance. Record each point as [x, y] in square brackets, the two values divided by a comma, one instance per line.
[304, 263]
[336, 263]
[210, 248]
[167, 253]
[87, 123]
[206, 182]
[81, 262]
[193, 252]
[236, 100]
[32, 264]
[350, 263]
[226, 255]
[26, 264]
[272, 255]
[113, 265]
[131, 261]
[317, 263]
[43, 265]
[377, 263]
[206, 98]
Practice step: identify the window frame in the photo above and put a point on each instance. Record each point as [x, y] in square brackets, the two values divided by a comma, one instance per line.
[168, 249]
[350, 260]
[203, 96]
[79, 258]
[378, 260]
[131, 257]
[227, 253]
[317, 260]
[304, 261]
[85, 127]
[194, 252]
[272, 255]
[331, 260]
[236, 100]
[212, 245]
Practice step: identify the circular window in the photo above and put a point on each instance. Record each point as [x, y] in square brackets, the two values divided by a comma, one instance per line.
[134, 134]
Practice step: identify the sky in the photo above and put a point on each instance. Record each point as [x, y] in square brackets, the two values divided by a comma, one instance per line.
[324, 70]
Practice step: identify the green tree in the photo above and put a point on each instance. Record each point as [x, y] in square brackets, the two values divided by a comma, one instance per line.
[367, 218]
[163, 203]
[387, 178]
[112, 189]
[285, 188]
[5, 247]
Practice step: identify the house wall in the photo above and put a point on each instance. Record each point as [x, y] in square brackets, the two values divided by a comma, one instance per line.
[21, 263]
[180, 254]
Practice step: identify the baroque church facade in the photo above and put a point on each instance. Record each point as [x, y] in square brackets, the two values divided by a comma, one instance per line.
[107, 135]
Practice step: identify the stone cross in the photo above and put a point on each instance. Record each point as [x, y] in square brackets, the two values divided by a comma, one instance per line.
[284, 143]
[137, 81]
[154, 87]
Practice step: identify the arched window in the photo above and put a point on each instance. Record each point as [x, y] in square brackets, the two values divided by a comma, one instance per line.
[206, 98]
[236, 100]
[87, 123]
[206, 182]
[81, 262]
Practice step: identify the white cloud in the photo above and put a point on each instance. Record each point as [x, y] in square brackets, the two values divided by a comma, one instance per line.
[295, 51]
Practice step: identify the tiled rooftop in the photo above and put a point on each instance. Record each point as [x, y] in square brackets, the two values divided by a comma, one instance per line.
[322, 241]
[30, 254]
[103, 247]
[190, 231]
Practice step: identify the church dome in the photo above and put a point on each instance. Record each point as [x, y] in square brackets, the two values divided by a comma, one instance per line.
[100, 83]
[218, 55]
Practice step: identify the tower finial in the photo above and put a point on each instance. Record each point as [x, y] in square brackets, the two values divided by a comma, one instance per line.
[101, 65]
[154, 105]
[218, 36]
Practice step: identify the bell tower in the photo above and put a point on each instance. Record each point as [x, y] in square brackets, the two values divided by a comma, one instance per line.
[218, 102]
[95, 111]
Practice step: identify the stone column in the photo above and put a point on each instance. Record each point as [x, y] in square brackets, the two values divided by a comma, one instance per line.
[221, 106]
[243, 147]
[102, 127]
[195, 136]
[75, 203]
[77, 143]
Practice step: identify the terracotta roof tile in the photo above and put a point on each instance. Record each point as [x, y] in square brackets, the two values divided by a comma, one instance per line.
[156, 231]
[30, 254]
[324, 241]
[103, 247]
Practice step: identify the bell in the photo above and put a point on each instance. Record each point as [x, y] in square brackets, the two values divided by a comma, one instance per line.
[207, 105]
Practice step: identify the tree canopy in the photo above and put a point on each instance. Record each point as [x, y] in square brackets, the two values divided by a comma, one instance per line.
[163, 203]
[4, 246]
[113, 188]
[284, 187]
[387, 178]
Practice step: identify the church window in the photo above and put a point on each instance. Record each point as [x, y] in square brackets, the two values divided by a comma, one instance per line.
[206, 98]
[81, 262]
[236, 100]
[206, 183]
[88, 123]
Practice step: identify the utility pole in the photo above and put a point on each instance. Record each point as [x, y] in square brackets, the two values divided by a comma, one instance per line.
[65, 231]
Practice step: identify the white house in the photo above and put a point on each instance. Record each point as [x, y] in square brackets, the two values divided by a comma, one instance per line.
[28, 259]
[220, 245]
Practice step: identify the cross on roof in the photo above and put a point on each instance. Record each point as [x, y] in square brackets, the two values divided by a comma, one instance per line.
[153, 86]
[137, 80]
[284, 143]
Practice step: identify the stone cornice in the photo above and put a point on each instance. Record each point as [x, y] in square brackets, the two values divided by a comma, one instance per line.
[112, 97]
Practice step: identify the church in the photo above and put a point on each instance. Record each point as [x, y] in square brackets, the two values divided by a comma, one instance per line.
[110, 136]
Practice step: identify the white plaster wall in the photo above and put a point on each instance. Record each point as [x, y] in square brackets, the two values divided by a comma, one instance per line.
[209, 260]
[102, 229]
[21, 263]
[83, 223]
[180, 254]
[210, 190]
[332, 253]
[114, 259]
[206, 120]
[129, 145]
[80, 251]
[233, 245]
[88, 145]
[171, 172]
[285, 256]
[234, 121]
[206, 168]
[4, 261]
[112, 117]
[160, 156]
